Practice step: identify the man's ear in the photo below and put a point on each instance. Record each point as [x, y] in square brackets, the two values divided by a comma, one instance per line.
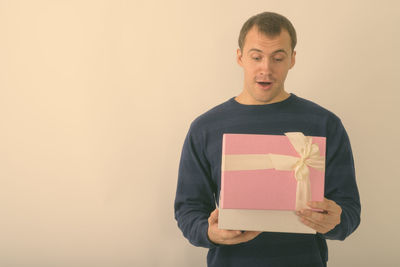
[239, 57]
[293, 59]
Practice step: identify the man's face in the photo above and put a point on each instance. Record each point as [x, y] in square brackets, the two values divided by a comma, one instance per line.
[266, 61]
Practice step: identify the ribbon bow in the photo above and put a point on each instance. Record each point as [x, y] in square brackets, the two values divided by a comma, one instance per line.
[309, 157]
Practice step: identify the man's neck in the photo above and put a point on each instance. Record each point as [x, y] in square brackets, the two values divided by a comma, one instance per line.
[245, 99]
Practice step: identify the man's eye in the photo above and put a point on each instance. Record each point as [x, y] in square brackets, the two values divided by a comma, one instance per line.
[257, 58]
[278, 59]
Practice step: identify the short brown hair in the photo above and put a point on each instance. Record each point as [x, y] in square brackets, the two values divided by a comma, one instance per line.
[270, 24]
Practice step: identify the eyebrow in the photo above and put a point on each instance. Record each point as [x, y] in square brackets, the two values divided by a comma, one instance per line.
[260, 51]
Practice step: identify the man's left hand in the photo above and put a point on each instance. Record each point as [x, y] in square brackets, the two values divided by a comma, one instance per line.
[321, 221]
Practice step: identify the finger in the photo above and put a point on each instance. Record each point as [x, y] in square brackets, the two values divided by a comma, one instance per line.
[320, 222]
[313, 215]
[320, 205]
[324, 219]
[328, 222]
[243, 237]
[326, 205]
[314, 225]
[229, 234]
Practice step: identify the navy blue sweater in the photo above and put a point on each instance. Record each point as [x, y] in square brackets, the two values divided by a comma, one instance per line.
[200, 173]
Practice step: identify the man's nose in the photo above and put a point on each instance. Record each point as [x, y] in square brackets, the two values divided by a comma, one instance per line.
[265, 67]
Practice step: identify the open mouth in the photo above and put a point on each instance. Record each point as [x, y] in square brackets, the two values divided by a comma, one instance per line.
[265, 85]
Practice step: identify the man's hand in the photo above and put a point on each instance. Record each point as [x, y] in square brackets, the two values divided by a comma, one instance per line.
[321, 221]
[226, 237]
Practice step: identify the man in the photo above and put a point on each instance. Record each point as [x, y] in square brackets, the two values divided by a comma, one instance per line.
[266, 54]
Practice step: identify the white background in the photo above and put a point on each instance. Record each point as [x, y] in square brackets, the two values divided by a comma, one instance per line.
[96, 98]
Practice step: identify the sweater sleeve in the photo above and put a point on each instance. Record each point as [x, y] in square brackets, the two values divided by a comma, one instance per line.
[194, 200]
[340, 182]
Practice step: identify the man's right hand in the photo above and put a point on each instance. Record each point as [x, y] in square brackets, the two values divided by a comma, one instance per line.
[227, 237]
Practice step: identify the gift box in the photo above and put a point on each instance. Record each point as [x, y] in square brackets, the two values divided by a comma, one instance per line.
[266, 178]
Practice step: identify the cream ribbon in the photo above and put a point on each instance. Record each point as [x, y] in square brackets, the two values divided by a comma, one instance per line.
[309, 157]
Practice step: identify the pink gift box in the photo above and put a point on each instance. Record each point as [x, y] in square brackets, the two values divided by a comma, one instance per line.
[262, 192]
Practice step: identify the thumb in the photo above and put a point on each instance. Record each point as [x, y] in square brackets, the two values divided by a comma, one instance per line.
[213, 217]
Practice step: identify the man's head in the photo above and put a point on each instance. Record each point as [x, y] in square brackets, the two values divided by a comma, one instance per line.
[266, 53]
[270, 24]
